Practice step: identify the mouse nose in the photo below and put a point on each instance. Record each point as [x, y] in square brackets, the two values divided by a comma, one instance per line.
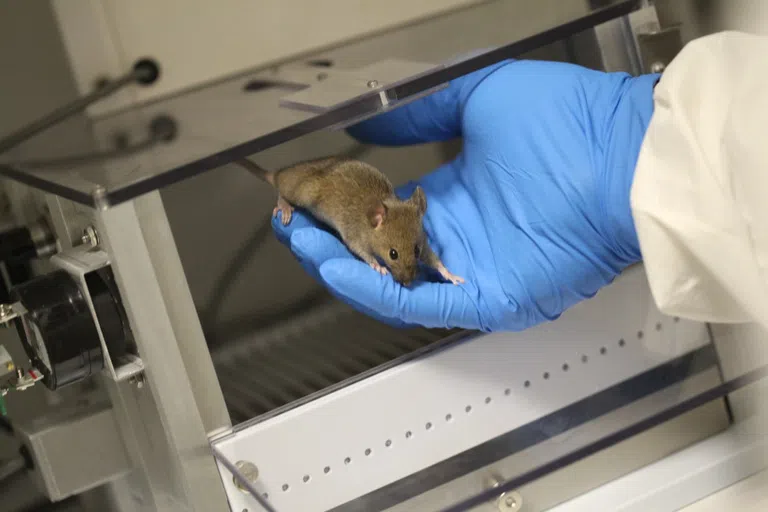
[407, 278]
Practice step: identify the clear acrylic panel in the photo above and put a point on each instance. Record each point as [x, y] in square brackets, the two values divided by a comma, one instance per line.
[243, 115]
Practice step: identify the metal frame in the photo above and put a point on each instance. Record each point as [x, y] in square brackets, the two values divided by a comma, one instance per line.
[79, 262]
[167, 421]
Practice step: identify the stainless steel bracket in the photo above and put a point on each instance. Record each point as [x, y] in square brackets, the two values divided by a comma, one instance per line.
[658, 48]
[79, 262]
[327, 89]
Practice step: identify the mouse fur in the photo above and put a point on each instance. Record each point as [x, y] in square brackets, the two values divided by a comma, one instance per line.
[358, 201]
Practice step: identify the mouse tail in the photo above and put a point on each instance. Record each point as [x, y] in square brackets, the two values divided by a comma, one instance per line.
[256, 170]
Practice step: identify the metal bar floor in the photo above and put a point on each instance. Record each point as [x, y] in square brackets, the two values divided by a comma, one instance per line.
[325, 347]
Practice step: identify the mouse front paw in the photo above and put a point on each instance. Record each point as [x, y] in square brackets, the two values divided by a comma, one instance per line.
[449, 276]
[379, 268]
[285, 208]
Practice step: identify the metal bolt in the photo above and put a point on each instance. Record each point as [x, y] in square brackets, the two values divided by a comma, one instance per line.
[510, 501]
[507, 500]
[90, 236]
[99, 195]
[5, 309]
[372, 84]
[137, 380]
[249, 471]
[658, 67]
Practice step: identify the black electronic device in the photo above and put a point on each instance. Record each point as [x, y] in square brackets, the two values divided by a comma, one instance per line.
[59, 325]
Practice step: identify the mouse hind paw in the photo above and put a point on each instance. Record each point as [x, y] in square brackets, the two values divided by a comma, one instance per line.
[285, 208]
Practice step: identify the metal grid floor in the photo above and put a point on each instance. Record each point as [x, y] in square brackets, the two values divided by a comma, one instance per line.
[322, 348]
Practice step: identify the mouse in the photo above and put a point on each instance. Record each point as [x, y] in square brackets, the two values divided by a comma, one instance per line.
[358, 201]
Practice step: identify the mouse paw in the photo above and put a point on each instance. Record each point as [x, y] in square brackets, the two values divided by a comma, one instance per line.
[285, 208]
[380, 269]
[449, 276]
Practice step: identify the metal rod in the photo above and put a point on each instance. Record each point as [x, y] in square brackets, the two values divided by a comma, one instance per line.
[65, 111]
[310, 375]
[320, 364]
[265, 372]
[266, 393]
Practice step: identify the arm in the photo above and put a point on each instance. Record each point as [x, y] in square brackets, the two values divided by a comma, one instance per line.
[700, 192]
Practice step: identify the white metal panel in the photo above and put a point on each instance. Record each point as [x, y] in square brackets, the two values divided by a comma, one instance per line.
[196, 41]
[685, 477]
[407, 418]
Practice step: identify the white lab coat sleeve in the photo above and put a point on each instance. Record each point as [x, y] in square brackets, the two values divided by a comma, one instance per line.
[699, 197]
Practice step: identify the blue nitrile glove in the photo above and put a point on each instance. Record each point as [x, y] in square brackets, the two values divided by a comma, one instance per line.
[534, 213]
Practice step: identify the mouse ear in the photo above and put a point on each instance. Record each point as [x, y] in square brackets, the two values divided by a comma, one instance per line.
[377, 213]
[419, 198]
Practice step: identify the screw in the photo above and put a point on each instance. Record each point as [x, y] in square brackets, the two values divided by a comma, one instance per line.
[506, 500]
[658, 67]
[99, 195]
[248, 470]
[509, 501]
[137, 380]
[372, 84]
[90, 236]
[6, 314]
[10, 366]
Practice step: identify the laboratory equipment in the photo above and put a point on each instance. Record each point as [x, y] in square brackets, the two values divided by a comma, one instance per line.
[330, 410]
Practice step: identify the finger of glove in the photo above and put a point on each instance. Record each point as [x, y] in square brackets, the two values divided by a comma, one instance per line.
[426, 304]
[392, 322]
[312, 247]
[436, 117]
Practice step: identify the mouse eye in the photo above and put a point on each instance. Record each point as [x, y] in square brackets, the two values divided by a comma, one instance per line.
[416, 251]
[393, 254]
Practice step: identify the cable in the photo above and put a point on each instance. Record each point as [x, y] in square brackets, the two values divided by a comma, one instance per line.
[144, 72]
[161, 129]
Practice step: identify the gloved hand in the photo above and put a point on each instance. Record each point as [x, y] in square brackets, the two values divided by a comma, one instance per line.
[534, 213]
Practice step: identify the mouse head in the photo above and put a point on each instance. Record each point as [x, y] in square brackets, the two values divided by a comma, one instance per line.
[398, 234]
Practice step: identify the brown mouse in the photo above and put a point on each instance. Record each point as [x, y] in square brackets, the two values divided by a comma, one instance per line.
[359, 202]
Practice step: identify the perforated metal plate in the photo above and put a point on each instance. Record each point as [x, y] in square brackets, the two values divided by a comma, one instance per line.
[407, 418]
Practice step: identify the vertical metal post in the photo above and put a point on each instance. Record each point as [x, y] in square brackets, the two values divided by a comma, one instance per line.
[168, 420]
